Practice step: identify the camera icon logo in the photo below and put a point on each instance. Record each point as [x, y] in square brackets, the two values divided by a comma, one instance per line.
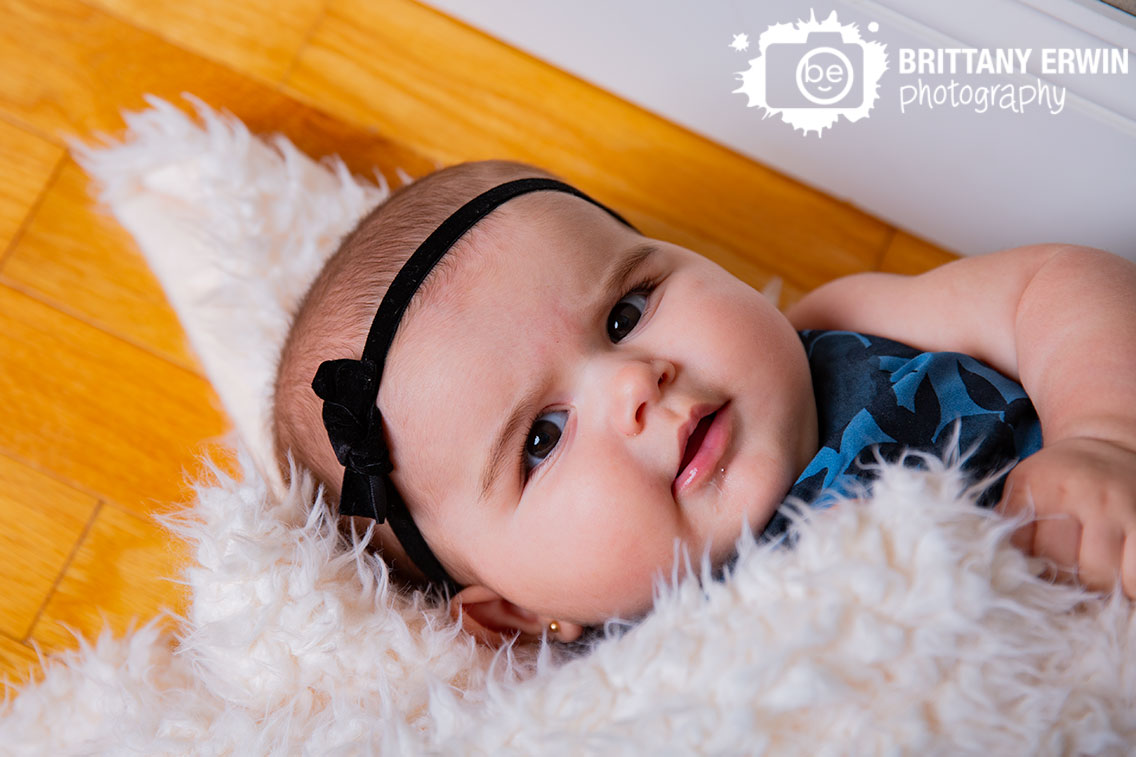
[814, 72]
[821, 72]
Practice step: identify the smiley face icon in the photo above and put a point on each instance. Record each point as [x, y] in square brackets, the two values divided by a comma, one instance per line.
[825, 75]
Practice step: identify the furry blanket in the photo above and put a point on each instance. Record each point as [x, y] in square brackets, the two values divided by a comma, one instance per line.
[905, 623]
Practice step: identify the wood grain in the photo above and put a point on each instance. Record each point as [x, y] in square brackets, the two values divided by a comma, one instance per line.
[68, 70]
[125, 568]
[26, 166]
[40, 520]
[80, 261]
[259, 38]
[18, 664]
[104, 416]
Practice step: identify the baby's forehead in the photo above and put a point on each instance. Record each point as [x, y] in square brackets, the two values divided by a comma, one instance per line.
[555, 224]
[550, 238]
[547, 211]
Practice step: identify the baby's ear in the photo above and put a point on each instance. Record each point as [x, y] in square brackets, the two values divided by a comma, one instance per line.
[494, 620]
[490, 618]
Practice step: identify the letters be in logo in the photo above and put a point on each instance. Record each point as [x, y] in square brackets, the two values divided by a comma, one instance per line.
[821, 71]
[812, 73]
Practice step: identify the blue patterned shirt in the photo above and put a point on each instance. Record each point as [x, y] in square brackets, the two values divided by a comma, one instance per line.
[879, 397]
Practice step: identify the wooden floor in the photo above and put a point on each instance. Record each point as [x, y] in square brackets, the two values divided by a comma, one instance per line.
[105, 408]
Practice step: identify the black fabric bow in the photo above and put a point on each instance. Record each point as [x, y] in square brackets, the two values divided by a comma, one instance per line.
[349, 389]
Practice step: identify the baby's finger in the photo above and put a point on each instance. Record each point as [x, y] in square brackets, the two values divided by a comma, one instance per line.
[1024, 536]
[1058, 537]
[1102, 552]
[1013, 502]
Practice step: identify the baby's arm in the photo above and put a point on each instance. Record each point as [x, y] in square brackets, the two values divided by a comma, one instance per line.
[1061, 320]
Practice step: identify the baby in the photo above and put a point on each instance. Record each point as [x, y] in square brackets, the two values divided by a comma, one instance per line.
[560, 399]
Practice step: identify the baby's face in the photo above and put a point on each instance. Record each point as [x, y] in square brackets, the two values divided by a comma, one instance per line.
[541, 407]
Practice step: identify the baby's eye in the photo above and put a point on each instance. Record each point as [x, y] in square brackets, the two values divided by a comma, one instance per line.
[543, 438]
[625, 315]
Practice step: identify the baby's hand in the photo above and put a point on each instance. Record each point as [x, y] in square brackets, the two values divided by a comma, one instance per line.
[1084, 493]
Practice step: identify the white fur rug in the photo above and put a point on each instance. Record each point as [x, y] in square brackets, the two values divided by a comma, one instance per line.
[906, 624]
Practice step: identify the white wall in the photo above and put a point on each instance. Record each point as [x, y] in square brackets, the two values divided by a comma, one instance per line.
[970, 182]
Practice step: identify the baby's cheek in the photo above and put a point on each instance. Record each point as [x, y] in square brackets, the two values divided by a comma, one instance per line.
[617, 525]
[623, 561]
[615, 585]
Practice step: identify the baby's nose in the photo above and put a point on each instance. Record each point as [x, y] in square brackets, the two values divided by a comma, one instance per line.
[638, 384]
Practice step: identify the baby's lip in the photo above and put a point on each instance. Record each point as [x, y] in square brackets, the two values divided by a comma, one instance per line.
[697, 413]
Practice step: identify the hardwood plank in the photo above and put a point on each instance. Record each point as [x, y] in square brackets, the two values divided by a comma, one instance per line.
[41, 521]
[97, 413]
[259, 38]
[82, 262]
[69, 69]
[911, 255]
[119, 573]
[18, 664]
[456, 94]
[26, 165]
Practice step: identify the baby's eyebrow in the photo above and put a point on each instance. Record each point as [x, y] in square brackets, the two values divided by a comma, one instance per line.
[624, 267]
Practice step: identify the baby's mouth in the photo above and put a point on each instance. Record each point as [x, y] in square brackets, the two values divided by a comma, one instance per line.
[704, 449]
[695, 441]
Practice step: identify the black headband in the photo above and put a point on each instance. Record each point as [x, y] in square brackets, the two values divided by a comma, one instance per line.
[350, 388]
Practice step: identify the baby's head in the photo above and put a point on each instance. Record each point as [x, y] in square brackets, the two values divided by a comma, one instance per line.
[564, 399]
